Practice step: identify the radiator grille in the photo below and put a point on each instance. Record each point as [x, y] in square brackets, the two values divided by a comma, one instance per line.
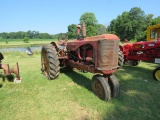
[108, 54]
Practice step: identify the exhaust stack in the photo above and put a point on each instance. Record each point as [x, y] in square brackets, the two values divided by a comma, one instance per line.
[78, 31]
[83, 30]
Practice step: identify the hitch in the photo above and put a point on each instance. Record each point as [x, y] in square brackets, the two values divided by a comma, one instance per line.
[8, 71]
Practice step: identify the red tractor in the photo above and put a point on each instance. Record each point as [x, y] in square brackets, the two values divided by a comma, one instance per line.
[8, 71]
[97, 54]
[145, 50]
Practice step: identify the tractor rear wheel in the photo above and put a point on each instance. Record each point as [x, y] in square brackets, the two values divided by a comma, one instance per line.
[50, 62]
[114, 85]
[156, 74]
[120, 58]
[101, 88]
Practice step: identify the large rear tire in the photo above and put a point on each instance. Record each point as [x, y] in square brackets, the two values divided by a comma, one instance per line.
[50, 62]
[156, 74]
[114, 85]
[101, 88]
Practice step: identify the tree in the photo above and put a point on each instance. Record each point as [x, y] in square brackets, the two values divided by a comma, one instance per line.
[121, 26]
[20, 35]
[12, 35]
[149, 19]
[26, 39]
[101, 29]
[29, 34]
[89, 18]
[44, 36]
[4, 35]
[35, 34]
[55, 36]
[92, 30]
[139, 25]
[72, 31]
[62, 36]
[131, 25]
[90, 22]
[156, 20]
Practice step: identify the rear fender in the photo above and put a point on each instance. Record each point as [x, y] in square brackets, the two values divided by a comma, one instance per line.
[54, 44]
[121, 48]
[127, 48]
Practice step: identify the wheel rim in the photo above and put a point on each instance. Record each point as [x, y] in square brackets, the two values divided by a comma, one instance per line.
[45, 64]
[98, 88]
[157, 75]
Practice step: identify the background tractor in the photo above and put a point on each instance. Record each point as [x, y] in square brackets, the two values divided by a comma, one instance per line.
[97, 54]
[145, 50]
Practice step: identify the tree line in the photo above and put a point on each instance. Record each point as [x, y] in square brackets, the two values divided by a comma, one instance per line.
[129, 25]
[29, 34]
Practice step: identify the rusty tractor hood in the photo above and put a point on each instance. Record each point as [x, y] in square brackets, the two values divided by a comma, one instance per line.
[74, 44]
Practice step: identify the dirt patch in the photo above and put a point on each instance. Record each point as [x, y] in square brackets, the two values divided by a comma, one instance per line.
[71, 84]
[82, 113]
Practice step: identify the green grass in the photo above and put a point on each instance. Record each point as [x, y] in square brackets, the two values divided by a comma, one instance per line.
[70, 97]
[20, 43]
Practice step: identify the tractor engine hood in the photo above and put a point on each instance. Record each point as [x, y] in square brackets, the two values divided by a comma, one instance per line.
[73, 45]
[145, 45]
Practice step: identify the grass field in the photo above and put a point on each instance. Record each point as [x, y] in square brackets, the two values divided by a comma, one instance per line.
[69, 97]
[20, 43]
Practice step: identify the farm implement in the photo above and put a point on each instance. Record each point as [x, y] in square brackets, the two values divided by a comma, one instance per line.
[9, 71]
[146, 50]
[98, 54]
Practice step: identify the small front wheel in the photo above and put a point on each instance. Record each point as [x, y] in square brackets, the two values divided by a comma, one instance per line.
[101, 87]
[114, 84]
[156, 74]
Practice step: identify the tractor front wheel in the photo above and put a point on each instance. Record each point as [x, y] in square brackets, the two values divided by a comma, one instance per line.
[114, 84]
[156, 74]
[50, 62]
[101, 88]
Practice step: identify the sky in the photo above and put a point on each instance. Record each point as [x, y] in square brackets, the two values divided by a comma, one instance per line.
[54, 16]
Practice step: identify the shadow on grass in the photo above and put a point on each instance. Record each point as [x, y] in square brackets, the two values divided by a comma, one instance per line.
[139, 95]
[77, 78]
[10, 78]
[1, 81]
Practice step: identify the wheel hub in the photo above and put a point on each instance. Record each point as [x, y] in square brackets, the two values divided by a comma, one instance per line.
[99, 89]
